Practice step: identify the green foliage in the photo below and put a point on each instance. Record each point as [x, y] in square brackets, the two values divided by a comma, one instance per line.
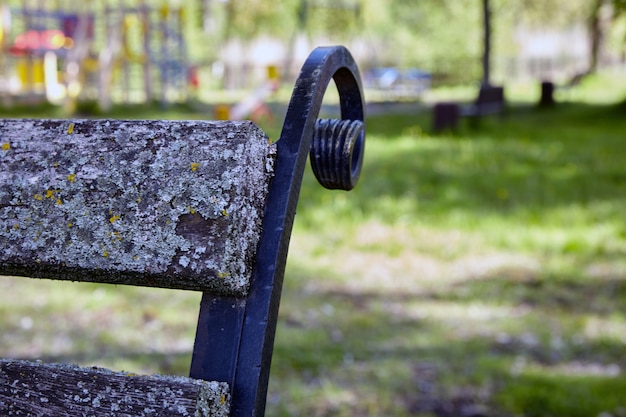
[339, 19]
[246, 19]
[545, 13]
[410, 33]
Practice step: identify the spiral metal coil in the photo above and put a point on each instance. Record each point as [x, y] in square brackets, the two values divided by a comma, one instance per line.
[337, 152]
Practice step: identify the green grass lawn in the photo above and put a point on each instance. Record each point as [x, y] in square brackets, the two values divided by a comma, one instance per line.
[484, 267]
[480, 270]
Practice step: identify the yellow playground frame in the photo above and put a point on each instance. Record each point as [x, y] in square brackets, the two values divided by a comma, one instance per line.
[65, 51]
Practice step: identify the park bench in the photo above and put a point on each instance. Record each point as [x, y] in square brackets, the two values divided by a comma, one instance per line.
[490, 100]
[195, 205]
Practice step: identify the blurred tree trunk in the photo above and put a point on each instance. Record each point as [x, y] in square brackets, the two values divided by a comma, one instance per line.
[487, 42]
[229, 30]
[595, 36]
[599, 21]
[303, 19]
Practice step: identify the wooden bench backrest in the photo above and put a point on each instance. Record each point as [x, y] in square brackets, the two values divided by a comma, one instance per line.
[151, 203]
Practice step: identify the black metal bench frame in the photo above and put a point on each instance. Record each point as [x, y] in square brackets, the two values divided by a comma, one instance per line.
[244, 328]
[248, 335]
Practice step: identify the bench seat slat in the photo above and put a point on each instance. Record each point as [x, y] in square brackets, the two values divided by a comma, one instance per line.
[58, 390]
[153, 203]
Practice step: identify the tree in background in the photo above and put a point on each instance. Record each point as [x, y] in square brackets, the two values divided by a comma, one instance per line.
[599, 17]
[486, 43]
[598, 26]
[446, 37]
[441, 36]
[619, 28]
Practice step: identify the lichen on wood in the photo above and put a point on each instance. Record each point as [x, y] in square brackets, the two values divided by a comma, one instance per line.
[59, 390]
[174, 204]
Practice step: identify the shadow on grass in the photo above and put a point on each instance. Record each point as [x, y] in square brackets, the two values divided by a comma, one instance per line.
[484, 352]
[549, 294]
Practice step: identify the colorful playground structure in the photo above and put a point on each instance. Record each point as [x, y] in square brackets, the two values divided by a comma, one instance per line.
[65, 51]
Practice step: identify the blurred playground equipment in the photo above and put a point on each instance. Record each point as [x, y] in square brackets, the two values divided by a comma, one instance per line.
[254, 106]
[66, 51]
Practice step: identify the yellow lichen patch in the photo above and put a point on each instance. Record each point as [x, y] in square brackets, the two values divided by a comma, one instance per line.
[6, 146]
[223, 275]
[38, 197]
[50, 193]
[70, 224]
[194, 166]
[105, 254]
[59, 202]
[71, 177]
[191, 210]
[70, 129]
[223, 400]
[224, 213]
[114, 218]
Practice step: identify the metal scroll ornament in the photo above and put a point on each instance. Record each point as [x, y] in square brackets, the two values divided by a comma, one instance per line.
[337, 152]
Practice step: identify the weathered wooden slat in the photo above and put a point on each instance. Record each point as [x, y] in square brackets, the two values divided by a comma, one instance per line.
[59, 390]
[173, 204]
